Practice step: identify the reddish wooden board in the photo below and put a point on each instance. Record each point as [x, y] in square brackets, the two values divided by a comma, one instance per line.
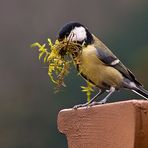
[113, 125]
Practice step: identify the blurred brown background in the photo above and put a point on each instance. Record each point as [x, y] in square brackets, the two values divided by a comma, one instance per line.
[28, 106]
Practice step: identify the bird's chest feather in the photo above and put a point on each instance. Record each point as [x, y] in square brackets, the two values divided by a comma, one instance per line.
[94, 70]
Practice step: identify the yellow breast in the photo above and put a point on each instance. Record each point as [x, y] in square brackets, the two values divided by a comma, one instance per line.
[96, 71]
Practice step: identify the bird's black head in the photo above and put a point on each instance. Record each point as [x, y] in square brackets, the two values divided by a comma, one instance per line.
[76, 32]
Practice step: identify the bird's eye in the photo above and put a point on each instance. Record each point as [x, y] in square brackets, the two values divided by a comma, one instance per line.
[66, 34]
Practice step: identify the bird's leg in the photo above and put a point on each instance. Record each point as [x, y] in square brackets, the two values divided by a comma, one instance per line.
[112, 89]
[87, 103]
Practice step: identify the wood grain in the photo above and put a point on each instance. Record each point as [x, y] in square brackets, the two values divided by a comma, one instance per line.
[114, 125]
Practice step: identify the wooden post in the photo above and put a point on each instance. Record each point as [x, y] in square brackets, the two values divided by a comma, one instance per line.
[113, 125]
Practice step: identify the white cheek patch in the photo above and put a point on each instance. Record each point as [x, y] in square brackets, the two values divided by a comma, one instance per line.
[77, 34]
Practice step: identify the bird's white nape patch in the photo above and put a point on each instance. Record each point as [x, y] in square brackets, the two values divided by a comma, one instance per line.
[77, 34]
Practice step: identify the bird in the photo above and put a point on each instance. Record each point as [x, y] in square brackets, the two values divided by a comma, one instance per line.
[98, 64]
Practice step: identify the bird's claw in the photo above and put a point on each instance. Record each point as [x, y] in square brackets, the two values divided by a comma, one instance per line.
[97, 103]
[88, 104]
[80, 105]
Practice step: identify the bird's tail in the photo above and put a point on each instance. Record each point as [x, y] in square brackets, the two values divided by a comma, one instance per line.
[141, 92]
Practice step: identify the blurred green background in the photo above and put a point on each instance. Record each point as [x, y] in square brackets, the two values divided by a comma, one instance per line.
[28, 105]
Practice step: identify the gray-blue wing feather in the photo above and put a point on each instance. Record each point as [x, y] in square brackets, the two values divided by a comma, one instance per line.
[108, 58]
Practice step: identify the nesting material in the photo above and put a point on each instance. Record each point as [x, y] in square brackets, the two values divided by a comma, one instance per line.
[59, 57]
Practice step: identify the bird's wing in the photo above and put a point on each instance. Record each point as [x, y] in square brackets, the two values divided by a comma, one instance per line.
[108, 58]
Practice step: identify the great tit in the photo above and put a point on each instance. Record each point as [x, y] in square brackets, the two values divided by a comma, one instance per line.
[98, 65]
